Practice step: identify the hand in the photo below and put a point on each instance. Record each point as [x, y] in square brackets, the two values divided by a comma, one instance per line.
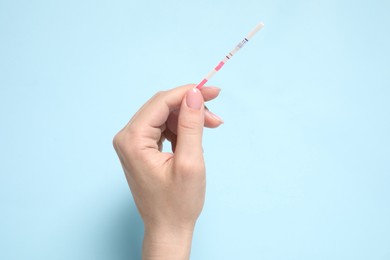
[168, 188]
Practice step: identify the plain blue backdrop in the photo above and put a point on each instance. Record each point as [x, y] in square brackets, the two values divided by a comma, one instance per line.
[300, 169]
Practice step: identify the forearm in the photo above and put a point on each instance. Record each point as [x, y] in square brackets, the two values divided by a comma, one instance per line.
[167, 243]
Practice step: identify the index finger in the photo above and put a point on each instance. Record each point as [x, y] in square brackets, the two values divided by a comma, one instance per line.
[155, 112]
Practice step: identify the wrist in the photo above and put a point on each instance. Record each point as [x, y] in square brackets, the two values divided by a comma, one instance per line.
[167, 242]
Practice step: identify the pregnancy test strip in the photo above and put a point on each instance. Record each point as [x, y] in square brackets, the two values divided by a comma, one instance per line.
[228, 57]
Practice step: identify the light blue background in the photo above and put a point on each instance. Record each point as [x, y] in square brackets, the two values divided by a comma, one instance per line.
[299, 170]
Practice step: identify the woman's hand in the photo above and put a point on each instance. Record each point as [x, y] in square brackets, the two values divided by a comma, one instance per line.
[168, 188]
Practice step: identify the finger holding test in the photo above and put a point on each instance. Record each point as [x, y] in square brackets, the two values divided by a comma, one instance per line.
[156, 111]
[211, 120]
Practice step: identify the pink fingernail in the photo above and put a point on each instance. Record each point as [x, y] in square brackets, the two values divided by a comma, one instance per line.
[215, 116]
[194, 99]
[216, 88]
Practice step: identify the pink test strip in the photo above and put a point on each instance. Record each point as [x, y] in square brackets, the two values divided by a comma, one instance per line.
[227, 57]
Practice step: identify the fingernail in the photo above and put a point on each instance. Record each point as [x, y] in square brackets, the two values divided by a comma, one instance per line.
[216, 88]
[194, 99]
[215, 116]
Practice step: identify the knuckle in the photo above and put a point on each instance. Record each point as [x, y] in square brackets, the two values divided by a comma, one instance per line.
[123, 141]
[117, 140]
[159, 94]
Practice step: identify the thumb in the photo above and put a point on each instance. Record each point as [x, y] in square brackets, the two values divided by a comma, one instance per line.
[190, 127]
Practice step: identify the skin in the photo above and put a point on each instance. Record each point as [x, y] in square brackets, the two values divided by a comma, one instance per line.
[168, 188]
